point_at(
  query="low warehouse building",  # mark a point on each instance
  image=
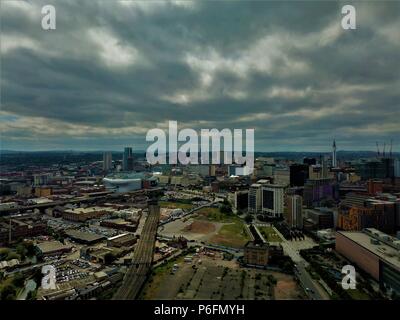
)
(49, 248)
(84, 237)
(122, 240)
(374, 252)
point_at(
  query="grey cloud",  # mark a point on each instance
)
(62, 79)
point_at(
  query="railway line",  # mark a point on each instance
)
(137, 274)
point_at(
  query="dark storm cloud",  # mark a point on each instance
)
(112, 70)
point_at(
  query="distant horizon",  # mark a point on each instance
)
(143, 151)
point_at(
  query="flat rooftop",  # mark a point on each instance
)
(88, 210)
(385, 252)
(84, 236)
(122, 237)
(52, 246)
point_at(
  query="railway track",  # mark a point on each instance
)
(137, 273)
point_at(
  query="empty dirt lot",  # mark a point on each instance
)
(210, 226)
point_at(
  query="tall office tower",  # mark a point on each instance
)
(295, 211)
(107, 161)
(254, 204)
(41, 179)
(127, 159)
(397, 168)
(324, 167)
(241, 200)
(273, 200)
(334, 161)
(298, 174)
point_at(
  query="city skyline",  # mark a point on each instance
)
(111, 71)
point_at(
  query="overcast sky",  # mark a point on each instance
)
(114, 69)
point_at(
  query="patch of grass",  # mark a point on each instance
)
(358, 295)
(215, 215)
(16, 282)
(270, 234)
(175, 205)
(231, 235)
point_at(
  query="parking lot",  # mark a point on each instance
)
(72, 270)
(211, 277)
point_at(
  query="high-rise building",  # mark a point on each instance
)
(273, 200)
(254, 204)
(127, 159)
(375, 169)
(107, 161)
(282, 176)
(298, 175)
(334, 160)
(41, 179)
(241, 199)
(357, 212)
(295, 211)
(324, 167)
(319, 218)
(310, 161)
(388, 164)
(397, 168)
(316, 190)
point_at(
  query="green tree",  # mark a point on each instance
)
(13, 255)
(8, 292)
(21, 250)
(4, 252)
(248, 218)
(30, 248)
(31, 295)
(226, 209)
(18, 280)
(272, 279)
(109, 258)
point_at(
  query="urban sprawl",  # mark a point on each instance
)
(115, 227)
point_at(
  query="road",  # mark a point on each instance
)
(313, 290)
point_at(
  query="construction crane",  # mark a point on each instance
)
(377, 148)
(384, 147)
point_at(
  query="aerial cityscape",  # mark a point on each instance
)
(310, 210)
(117, 228)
